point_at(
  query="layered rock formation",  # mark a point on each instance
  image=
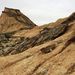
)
(44, 50)
(13, 20)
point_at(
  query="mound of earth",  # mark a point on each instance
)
(44, 50)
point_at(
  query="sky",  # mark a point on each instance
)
(41, 11)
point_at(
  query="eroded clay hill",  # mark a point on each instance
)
(45, 50)
(13, 20)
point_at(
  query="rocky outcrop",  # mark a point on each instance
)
(45, 35)
(13, 20)
(50, 51)
(59, 58)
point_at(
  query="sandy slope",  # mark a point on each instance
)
(13, 20)
(35, 60)
(61, 61)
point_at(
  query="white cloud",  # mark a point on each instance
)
(41, 11)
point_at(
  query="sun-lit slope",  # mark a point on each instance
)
(53, 24)
(46, 51)
(12, 43)
(60, 61)
(36, 30)
(13, 20)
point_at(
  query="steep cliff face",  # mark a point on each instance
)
(13, 19)
(44, 50)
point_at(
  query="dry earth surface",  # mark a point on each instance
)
(28, 49)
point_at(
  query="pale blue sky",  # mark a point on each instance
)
(41, 11)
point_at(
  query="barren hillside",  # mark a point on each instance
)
(38, 50)
(13, 20)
